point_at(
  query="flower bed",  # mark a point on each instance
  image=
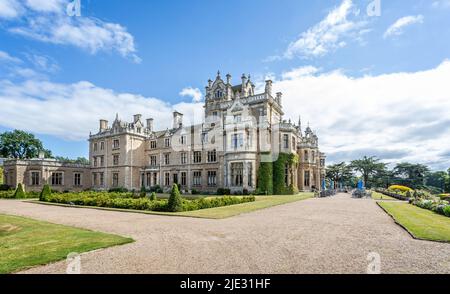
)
(438, 206)
(126, 201)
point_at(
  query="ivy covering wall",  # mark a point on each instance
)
(271, 178)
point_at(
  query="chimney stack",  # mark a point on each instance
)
(244, 84)
(103, 125)
(269, 87)
(137, 117)
(177, 120)
(150, 124)
(278, 99)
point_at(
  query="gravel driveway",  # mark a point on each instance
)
(333, 235)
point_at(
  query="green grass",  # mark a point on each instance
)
(421, 223)
(211, 213)
(26, 243)
(260, 203)
(379, 196)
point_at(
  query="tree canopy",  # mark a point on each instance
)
(21, 145)
(368, 167)
(411, 174)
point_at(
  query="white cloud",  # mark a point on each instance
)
(402, 114)
(10, 9)
(70, 111)
(195, 93)
(43, 63)
(5, 57)
(398, 27)
(441, 4)
(47, 21)
(299, 72)
(330, 34)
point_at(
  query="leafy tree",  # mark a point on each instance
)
(20, 145)
(368, 167)
(411, 174)
(339, 173)
(437, 179)
(383, 178)
(20, 193)
(175, 201)
(79, 160)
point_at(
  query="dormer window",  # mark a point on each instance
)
(219, 94)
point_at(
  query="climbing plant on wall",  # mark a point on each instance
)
(271, 175)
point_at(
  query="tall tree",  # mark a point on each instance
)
(339, 173)
(20, 145)
(368, 167)
(383, 178)
(437, 179)
(411, 174)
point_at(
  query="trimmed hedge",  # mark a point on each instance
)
(12, 194)
(117, 200)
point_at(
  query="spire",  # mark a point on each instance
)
(117, 116)
(218, 74)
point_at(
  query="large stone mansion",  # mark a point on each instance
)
(239, 131)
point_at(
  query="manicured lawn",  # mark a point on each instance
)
(212, 213)
(260, 203)
(379, 196)
(25, 242)
(421, 223)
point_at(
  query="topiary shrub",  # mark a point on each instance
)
(46, 192)
(20, 193)
(175, 203)
(153, 196)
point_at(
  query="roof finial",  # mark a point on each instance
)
(117, 116)
(218, 73)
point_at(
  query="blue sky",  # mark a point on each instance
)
(138, 56)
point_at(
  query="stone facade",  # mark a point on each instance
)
(33, 174)
(225, 151)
